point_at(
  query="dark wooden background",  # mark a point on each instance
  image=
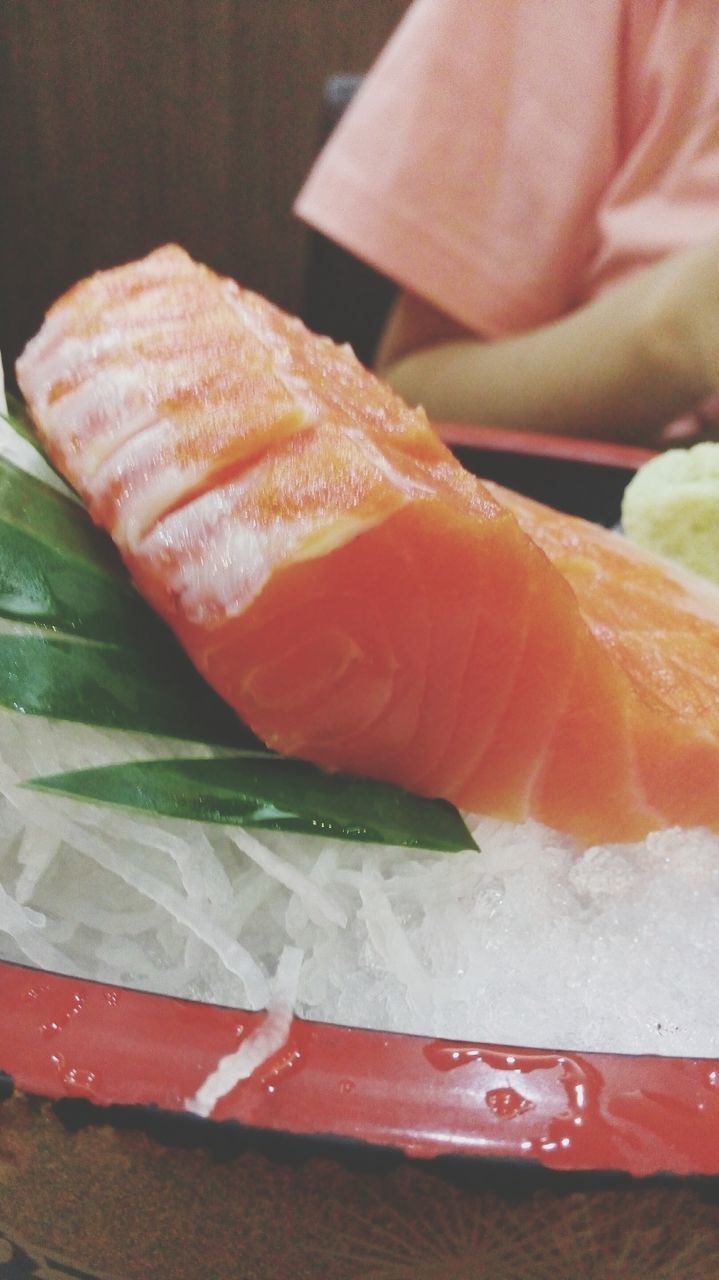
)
(128, 123)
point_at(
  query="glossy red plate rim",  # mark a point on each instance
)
(604, 453)
(642, 1115)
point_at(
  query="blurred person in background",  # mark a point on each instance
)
(541, 180)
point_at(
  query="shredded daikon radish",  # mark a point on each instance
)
(315, 901)
(260, 1044)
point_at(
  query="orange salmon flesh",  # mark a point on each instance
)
(357, 597)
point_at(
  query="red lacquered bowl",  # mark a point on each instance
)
(566, 1111)
(64, 1038)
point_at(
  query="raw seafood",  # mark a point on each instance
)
(355, 595)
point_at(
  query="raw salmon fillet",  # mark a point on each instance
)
(359, 598)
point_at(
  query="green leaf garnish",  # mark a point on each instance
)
(270, 792)
(57, 570)
(115, 688)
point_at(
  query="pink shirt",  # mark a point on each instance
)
(507, 159)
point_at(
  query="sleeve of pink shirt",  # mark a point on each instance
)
(507, 161)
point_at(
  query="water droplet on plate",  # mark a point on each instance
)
(78, 1081)
(507, 1103)
(446, 1057)
(281, 1067)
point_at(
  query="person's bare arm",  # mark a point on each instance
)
(621, 367)
(413, 324)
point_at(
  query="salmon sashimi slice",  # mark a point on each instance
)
(659, 623)
(143, 411)
(360, 599)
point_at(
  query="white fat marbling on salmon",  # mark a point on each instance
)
(411, 486)
(216, 562)
(104, 400)
(219, 555)
(37, 358)
(254, 320)
(88, 424)
(136, 509)
(160, 467)
(67, 354)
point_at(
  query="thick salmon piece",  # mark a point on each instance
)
(359, 598)
(661, 627)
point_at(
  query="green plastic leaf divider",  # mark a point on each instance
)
(269, 792)
(56, 569)
(115, 688)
